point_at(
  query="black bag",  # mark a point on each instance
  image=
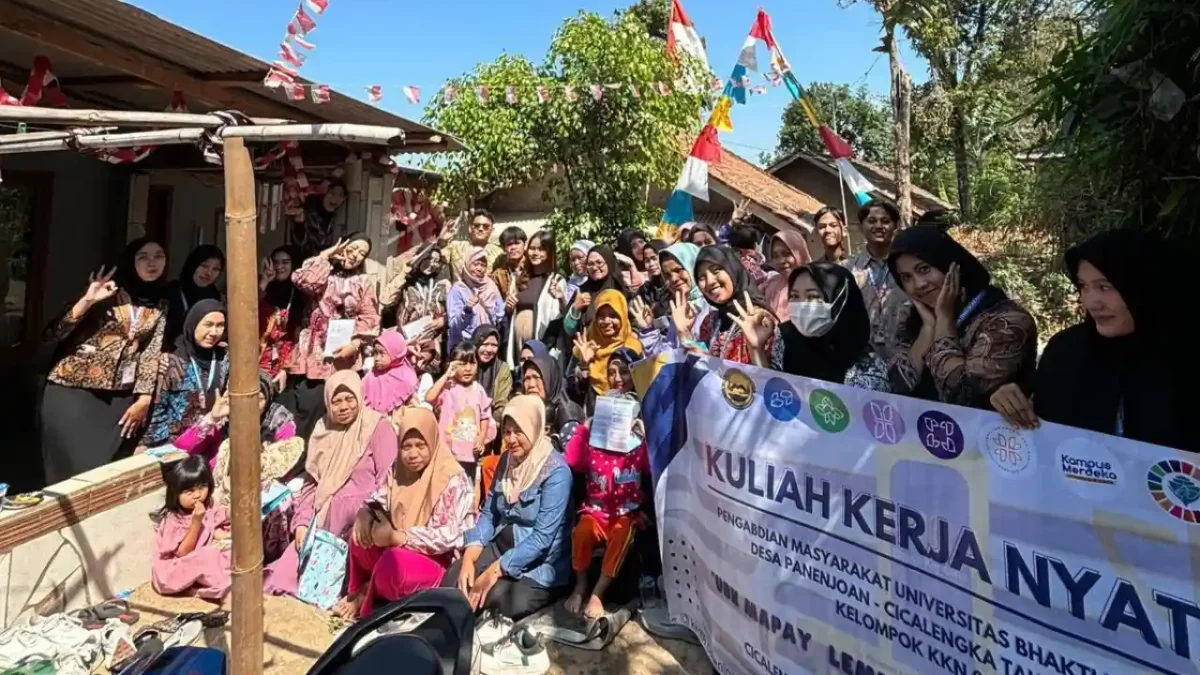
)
(440, 645)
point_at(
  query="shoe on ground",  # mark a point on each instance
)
(492, 628)
(521, 653)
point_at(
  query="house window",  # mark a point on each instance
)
(24, 207)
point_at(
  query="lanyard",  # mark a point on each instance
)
(969, 309)
(186, 304)
(212, 371)
(135, 313)
(878, 281)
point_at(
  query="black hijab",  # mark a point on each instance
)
(190, 352)
(625, 246)
(141, 293)
(655, 291)
(416, 275)
(829, 356)
(559, 408)
(612, 280)
(183, 294)
(350, 239)
(1147, 377)
(702, 228)
(728, 260)
(485, 373)
(283, 294)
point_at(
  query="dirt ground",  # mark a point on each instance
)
(297, 634)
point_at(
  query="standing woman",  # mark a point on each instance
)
(99, 390)
(541, 296)
(831, 226)
(655, 292)
(491, 372)
(340, 289)
(603, 274)
(789, 251)
(197, 281)
(960, 338)
(632, 244)
(192, 377)
(736, 330)
(578, 266)
(281, 313)
(702, 236)
(424, 292)
(473, 301)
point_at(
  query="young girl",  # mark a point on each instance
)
(393, 380)
(611, 514)
(191, 547)
(464, 408)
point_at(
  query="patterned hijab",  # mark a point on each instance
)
(529, 413)
(482, 285)
(335, 449)
(412, 495)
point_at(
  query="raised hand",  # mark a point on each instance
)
(335, 249)
(510, 302)
(266, 273)
(682, 315)
(101, 287)
(741, 212)
(948, 298)
(585, 349)
(220, 409)
(643, 316)
(472, 300)
(1015, 407)
(756, 323)
(556, 288)
(582, 300)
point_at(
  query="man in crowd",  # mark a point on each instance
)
(504, 273)
(882, 294)
(479, 234)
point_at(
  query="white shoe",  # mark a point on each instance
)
(491, 628)
(521, 653)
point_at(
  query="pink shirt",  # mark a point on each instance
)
(461, 411)
(614, 480)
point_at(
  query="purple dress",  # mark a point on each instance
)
(205, 571)
(371, 472)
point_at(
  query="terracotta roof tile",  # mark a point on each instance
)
(762, 188)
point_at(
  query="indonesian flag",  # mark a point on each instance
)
(412, 93)
(298, 41)
(451, 94)
(321, 93)
(318, 6)
(296, 92)
(375, 93)
(43, 82)
(842, 153)
(705, 151)
(302, 24)
(510, 94)
(570, 93)
(543, 93)
(276, 78)
(683, 36)
(7, 99)
(289, 54)
(761, 30)
(483, 93)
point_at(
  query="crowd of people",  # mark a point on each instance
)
(439, 422)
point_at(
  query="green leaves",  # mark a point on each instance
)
(862, 119)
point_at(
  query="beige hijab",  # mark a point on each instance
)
(411, 495)
(335, 449)
(529, 412)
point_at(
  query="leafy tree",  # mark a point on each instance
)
(654, 15)
(599, 157)
(859, 117)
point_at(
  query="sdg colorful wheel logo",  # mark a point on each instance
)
(828, 411)
(1175, 485)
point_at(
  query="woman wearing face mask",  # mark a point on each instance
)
(192, 376)
(99, 390)
(1117, 372)
(197, 281)
(608, 333)
(340, 289)
(604, 273)
(282, 309)
(541, 296)
(789, 252)
(740, 328)
(827, 332)
(962, 337)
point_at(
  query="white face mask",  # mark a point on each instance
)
(813, 318)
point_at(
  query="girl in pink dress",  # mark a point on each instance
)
(191, 549)
(464, 409)
(392, 380)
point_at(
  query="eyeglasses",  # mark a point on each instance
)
(596, 265)
(480, 226)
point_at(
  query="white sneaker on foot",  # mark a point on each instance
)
(491, 628)
(521, 653)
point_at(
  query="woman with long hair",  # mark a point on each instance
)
(282, 310)
(540, 298)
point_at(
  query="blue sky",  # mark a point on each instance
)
(394, 43)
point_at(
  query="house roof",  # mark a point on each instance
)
(111, 55)
(776, 199)
(923, 200)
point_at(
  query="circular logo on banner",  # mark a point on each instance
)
(1010, 449)
(828, 411)
(738, 389)
(1175, 485)
(883, 422)
(1089, 469)
(781, 399)
(940, 434)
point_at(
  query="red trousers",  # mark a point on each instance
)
(617, 534)
(390, 574)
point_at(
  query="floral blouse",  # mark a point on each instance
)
(997, 346)
(453, 514)
(730, 345)
(277, 345)
(116, 349)
(336, 297)
(423, 300)
(181, 401)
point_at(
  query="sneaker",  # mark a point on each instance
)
(521, 653)
(491, 628)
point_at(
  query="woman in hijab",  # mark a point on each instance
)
(827, 330)
(281, 448)
(281, 312)
(609, 332)
(540, 298)
(421, 291)
(392, 380)
(961, 337)
(517, 557)
(405, 538)
(604, 273)
(702, 236)
(789, 251)
(197, 281)
(578, 266)
(1119, 372)
(686, 306)
(491, 372)
(340, 290)
(655, 292)
(192, 377)
(533, 348)
(349, 456)
(632, 244)
(99, 390)
(473, 301)
(740, 327)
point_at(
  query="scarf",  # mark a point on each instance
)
(728, 260)
(625, 242)
(610, 280)
(274, 416)
(482, 286)
(197, 358)
(386, 391)
(685, 254)
(655, 291)
(829, 356)
(485, 373)
(598, 368)
(335, 449)
(412, 495)
(583, 246)
(529, 413)
(141, 293)
(777, 287)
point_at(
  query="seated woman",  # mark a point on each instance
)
(408, 534)
(492, 372)
(828, 332)
(961, 338)
(734, 331)
(392, 381)
(281, 448)
(190, 378)
(517, 559)
(1118, 372)
(349, 456)
(608, 333)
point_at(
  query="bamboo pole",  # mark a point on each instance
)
(346, 133)
(128, 118)
(246, 445)
(8, 139)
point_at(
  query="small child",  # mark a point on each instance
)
(464, 408)
(191, 547)
(611, 513)
(392, 380)
(428, 362)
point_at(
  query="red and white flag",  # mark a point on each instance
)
(42, 82)
(296, 92)
(483, 93)
(318, 6)
(705, 151)
(717, 84)
(276, 78)
(375, 93)
(451, 94)
(321, 93)
(570, 93)
(682, 37)
(662, 88)
(597, 91)
(302, 24)
(543, 93)
(287, 70)
(7, 99)
(412, 94)
(299, 42)
(290, 56)
(510, 94)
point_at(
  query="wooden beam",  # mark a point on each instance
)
(99, 80)
(233, 77)
(346, 133)
(81, 117)
(104, 52)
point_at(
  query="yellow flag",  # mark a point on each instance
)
(720, 115)
(667, 232)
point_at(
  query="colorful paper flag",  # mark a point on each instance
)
(510, 95)
(451, 94)
(483, 93)
(412, 94)
(296, 92)
(318, 6)
(543, 93)
(597, 91)
(302, 24)
(720, 115)
(375, 93)
(321, 93)
(276, 78)
(290, 55)
(633, 89)
(682, 37)
(299, 41)
(287, 70)
(679, 209)
(570, 93)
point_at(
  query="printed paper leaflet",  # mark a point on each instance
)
(815, 528)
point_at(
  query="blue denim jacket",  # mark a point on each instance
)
(541, 525)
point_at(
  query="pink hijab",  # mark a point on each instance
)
(386, 391)
(483, 287)
(776, 289)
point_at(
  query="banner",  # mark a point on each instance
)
(812, 528)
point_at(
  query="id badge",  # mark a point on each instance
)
(129, 373)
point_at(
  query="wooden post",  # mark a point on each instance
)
(901, 121)
(246, 450)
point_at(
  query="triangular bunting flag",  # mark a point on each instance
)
(707, 146)
(597, 91)
(412, 94)
(510, 95)
(720, 115)
(321, 93)
(375, 93)
(543, 93)
(570, 94)
(296, 92)
(318, 6)
(302, 23)
(483, 93)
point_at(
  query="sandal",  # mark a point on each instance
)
(97, 615)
